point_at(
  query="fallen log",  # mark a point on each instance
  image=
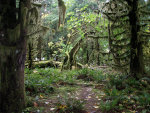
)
(44, 64)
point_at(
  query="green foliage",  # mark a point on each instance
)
(29, 102)
(116, 81)
(69, 105)
(123, 93)
(92, 75)
(35, 83)
(113, 97)
(110, 105)
(41, 80)
(58, 48)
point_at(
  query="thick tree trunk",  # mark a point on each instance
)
(12, 78)
(12, 57)
(136, 63)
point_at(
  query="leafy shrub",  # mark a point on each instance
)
(91, 75)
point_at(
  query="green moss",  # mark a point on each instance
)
(62, 11)
(61, 3)
(34, 14)
(14, 34)
(24, 11)
(39, 5)
(6, 51)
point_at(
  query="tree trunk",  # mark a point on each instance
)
(97, 47)
(12, 62)
(136, 59)
(39, 48)
(87, 53)
(30, 55)
(70, 59)
(12, 56)
(87, 56)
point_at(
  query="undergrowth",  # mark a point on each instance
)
(41, 80)
(69, 104)
(124, 93)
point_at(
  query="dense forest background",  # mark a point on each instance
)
(55, 43)
(88, 26)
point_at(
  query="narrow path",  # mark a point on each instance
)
(92, 100)
(85, 92)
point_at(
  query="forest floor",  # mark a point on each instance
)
(87, 92)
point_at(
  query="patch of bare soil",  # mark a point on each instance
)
(92, 100)
(85, 77)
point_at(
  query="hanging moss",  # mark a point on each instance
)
(24, 11)
(39, 5)
(62, 11)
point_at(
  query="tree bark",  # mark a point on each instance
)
(87, 53)
(136, 59)
(30, 55)
(97, 46)
(39, 48)
(12, 62)
(12, 56)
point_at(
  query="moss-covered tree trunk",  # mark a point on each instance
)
(87, 52)
(12, 78)
(70, 59)
(12, 56)
(92, 53)
(30, 55)
(39, 48)
(97, 47)
(136, 59)
(72, 55)
(62, 11)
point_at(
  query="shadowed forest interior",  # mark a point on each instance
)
(74, 56)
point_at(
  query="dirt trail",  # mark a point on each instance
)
(85, 92)
(92, 100)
